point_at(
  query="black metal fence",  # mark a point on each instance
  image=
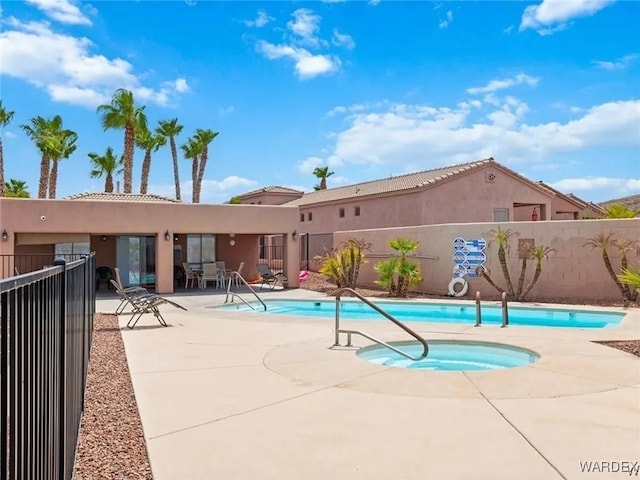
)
(46, 323)
(11, 265)
(313, 245)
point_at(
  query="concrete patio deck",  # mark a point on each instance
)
(229, 395)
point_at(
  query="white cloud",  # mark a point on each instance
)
(444, 23)
(309, 164)
(64, 11)
(501, 84)
(212, 190)
(623, 186)
(373, 3)
(343, 40)
(305, 25)
(621, 64)
(551, 16)
(260, 21)
(508, 30)
(65, 67)
(181, 85)
(9, 134)
(430, 136)
(228, 110)
(307, 65)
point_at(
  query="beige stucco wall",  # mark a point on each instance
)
(572, 271)
(46, 217)
(465, 198)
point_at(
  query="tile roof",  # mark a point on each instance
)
(270, 189)
(401, 183)
(569, 198)
(121, 197)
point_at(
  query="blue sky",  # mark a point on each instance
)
(549, 88)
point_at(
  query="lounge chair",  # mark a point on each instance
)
(130, 291)
(142, 304)
(270, 278)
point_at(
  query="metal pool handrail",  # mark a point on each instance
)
(425, 346)
(233, 295)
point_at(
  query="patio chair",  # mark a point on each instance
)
(210, 273)
(270, 278)
(134, 291)
(103, 274)
(142, 304)
(190, 275)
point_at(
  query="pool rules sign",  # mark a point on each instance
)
(468, 255)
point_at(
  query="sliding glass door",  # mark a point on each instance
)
(136, 259)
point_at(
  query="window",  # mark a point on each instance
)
(341, 212)
(500, 214)
(309, 216)
(356, 211)
(82, 248)
(302, 217)
(201, 248)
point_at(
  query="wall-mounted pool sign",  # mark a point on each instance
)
(468, 255)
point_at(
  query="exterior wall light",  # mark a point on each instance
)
(167, 236)
(5, 235)
(294, 235)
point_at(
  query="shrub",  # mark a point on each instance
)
(343, 265)
(397, 274)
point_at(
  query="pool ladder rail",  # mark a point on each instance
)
(233, 276)
(505, 311)
(338, 331)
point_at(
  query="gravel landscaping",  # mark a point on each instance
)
(111, 443)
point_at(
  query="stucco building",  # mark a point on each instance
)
(146, 236)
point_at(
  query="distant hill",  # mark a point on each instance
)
(632, 201)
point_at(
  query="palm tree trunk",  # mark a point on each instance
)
(483, 272)
(53, 179)
(533, 281)
(146, 167)
(202, 166)
(44, 177)
(607, 264)
(523, 269)
(129, 138)
(176, 173)
(323, 183)
(194, 181)
(108, 183)
(502, 256)
(1, 170)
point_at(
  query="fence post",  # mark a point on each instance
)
(60, 262)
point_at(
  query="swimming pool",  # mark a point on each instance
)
(451, 355)
(440, 313)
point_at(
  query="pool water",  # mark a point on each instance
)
(441, 313)
(451, 355)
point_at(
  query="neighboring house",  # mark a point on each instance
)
(570, 207)
(146, 236)
(482, 191)
(272, 195)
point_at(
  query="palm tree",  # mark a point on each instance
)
(620, 210)
(603, 241)
(204, 137)
(501, 237)
(16, 189)
(62, 144)
(123, 114)
(192, 151)
(539, 253)
(322, 173)
(5, 117)
(149, 142)
(107, 165)
(171, 129)
(53, 142)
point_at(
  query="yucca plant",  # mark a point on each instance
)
(343, 265)
(630, 278)
(397, 274)
(527, 253)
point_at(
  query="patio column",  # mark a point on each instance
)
(292, 258)
(164, 263)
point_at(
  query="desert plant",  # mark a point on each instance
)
(605, 241)
(620, 210)
(343, 265)
(527, 253)
(397, 274)
(630, 278)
